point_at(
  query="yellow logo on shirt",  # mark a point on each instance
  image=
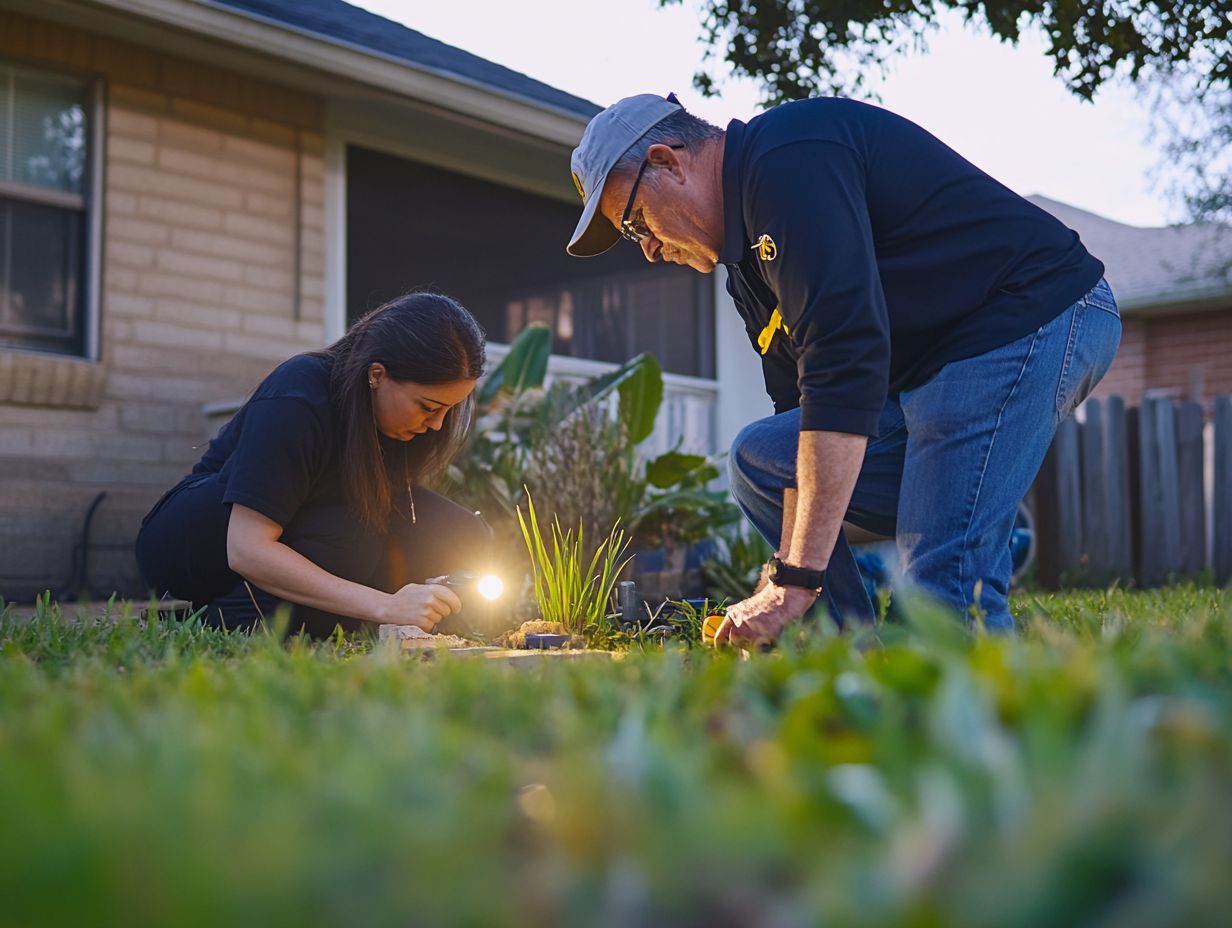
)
(767, 334)
(765, 248)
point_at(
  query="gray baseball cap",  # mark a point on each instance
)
(609, 135)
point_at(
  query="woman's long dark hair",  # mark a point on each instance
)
(421, 337)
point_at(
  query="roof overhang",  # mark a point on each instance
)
(1176, 301)
(306, 61)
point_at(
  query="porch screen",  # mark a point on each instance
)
(501, 252)
(44, 182)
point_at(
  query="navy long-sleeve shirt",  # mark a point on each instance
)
(885, 254)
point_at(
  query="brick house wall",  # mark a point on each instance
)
(213, 262)
(1172, 353)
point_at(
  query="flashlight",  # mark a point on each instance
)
(488, 586)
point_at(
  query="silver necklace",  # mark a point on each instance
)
(406, 474)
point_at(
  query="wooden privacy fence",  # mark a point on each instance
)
(1141, 496)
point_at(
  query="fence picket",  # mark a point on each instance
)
(1191, 508)
(1120, 556)
(1222, 509)
(1096, 543)
(1123, 495)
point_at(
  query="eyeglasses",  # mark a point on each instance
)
(635, 230)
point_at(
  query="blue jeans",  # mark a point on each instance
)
(951, 462)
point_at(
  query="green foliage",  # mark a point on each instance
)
(735, 570)
(160, 773)
(524, 367)
(569, 589)
(561, 444)
(1180, 51)
(795, 48)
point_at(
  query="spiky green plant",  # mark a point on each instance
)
(568, 588)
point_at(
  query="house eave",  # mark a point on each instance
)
(303, 55)
(1177, 300)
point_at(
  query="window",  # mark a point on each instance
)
(45, 228)
(501, 252)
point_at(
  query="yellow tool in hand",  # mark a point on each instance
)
(710, 625)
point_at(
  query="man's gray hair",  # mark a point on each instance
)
(680, 128)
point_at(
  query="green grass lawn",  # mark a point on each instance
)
(1079, 774)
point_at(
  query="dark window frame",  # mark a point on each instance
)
(81, 338)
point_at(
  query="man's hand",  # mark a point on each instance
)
(761, 617)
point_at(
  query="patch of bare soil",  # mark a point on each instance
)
(412, 636)
(516, 637)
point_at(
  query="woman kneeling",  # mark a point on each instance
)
(313, 493)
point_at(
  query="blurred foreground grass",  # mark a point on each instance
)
(1079, 774)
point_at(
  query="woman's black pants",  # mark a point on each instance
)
(182, 550)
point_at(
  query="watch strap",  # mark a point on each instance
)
(784, 574)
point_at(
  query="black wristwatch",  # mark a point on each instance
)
(784, 574)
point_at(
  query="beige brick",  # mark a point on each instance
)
(124, 386)
(152, 283)
(269, 279)
(254, 227)
(124, 473)
(64, 444)
(262, 204)
(120, 303)
(137, 230)
(200, 266)
(176, 212)
(130, 255)
(188, 162)
(118, 279)
(313, 217)
(135, 358)
(272, 133)
(141, 99)
(312, 311)
(168, 335)
(310, 332)
(272, 349)
(211, 117)
(16, 441)
(312, 170)
(312, 193)
(276, 326)
(313, 240)
(260, 154)
(136, 151)
(275, 183)
(119, 203)
(312, 263)
(130, 448)
(117, 329)
(258, 301)
(312, 143)
(129, 123)
(195, 314)
(313, 287)
(192, 138)
(149, 180)
(229, 246)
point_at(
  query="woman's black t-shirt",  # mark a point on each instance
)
(281, 450)
(280, 455)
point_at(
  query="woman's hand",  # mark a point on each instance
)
(422, 604)
(255, 552)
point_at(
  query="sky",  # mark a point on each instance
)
(997, 105)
